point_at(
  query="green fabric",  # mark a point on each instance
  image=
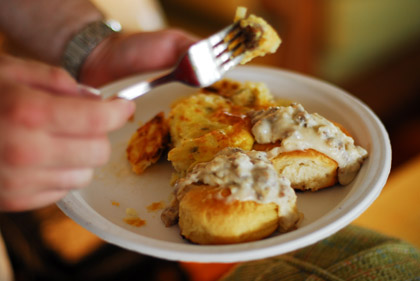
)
(353, 253)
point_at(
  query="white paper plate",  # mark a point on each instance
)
(325, 211)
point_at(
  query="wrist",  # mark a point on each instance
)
(84, 42)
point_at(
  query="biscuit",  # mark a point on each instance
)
(310, 150)
(206, 218)
(307, 169)
(236, 197)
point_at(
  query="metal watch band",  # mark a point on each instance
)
(84, 42)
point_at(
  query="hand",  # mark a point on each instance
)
(51, 136)
(125, 54)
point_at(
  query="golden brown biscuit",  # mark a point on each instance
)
(307, 148)
(236, 197)
(307, 169)
(206, 218)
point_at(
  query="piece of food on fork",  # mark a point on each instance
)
(261, 38)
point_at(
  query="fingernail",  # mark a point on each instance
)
(81, 178)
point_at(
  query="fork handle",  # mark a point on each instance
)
(132, 91)
(135, 90)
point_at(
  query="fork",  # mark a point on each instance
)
(204, 63)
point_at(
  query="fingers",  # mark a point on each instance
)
(57, 114)
(27, 148)
(31, 201)
(51, 135)
(20, 181)
(46, 77)
(28, 189)
(46, 108)
(87, 117)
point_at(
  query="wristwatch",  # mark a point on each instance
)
(80, 46)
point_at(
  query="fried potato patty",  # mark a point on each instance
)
(148, 143)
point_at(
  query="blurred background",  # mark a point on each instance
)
(371, 48)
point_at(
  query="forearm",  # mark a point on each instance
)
(43, 27)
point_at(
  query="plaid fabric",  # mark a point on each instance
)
(353, 253)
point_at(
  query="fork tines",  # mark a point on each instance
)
(228, 46)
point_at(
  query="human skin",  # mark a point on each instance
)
(52, 135)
